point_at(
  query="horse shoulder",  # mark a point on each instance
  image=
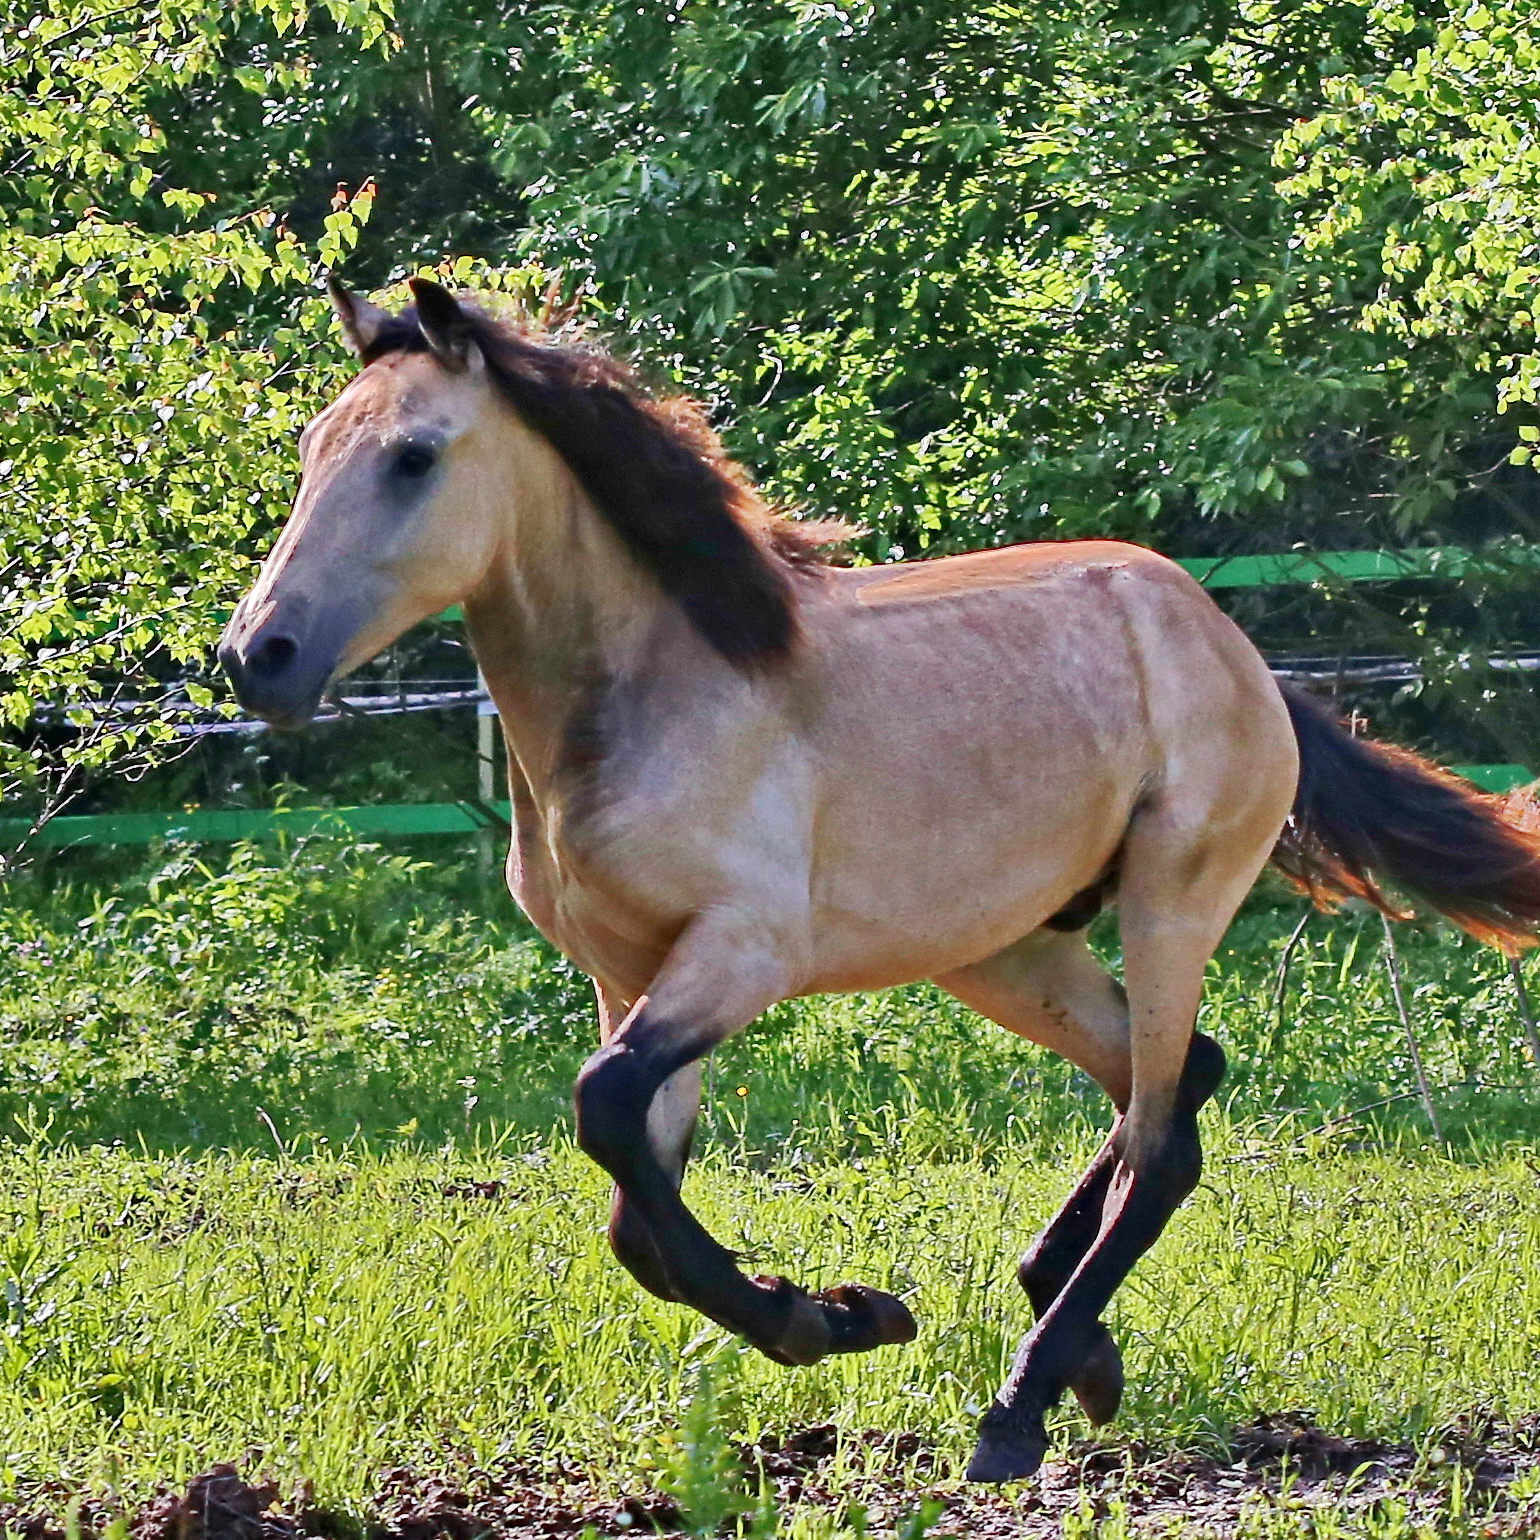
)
(676, 790)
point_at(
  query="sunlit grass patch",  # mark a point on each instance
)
(289, 1181)
(350, 1312)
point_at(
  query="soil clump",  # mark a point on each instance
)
(876, 1481)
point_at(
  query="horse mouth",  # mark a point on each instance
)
(292, 720)
(282, 653)
(286, 715)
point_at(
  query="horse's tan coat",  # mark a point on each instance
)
(956, 747)
(948, 753)
(735, 780)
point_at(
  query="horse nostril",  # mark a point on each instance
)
(272, 656)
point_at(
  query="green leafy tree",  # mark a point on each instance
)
(161, 350)
(1227, 275)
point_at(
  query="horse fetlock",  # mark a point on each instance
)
(1011, 1445)
(804, 1335)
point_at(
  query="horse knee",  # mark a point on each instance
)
(613, 1092)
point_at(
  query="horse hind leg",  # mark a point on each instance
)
(1050, 989)
(1045, 1269)
(1052, 1258)
(1183, 880)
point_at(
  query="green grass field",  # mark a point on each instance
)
(288, 1180)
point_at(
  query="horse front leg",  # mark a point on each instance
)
(670, 1131)
(716, 979)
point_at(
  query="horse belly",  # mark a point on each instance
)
(948, 882)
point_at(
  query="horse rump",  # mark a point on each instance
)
(1367, 812)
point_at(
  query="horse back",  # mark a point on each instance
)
(988, 725)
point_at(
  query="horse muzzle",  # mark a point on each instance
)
(280, 658)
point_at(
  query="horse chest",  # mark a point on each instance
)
(597, 896)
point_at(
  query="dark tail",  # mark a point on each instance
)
(1368, 812)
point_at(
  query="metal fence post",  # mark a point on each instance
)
(486, 765)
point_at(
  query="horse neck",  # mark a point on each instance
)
(562, 608)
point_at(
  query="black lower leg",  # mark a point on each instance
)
(632, 1242)
(1056, 1253)
(667, 1248)
(1046, 1268)
(634, 1247)
(1203, 1073)
(1070, 1334)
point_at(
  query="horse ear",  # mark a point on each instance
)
(361, 322)
(446, 328)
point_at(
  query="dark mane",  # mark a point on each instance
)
(658, 473)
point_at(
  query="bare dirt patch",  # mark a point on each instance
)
(1282, 1463)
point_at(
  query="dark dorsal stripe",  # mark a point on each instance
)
(657, 473)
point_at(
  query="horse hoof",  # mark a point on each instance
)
(863, 1318)
(1098, 1385)
(1007, 1454)
(849, 1319)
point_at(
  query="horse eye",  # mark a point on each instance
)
(414, 460)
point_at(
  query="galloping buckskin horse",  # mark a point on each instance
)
(739, 774)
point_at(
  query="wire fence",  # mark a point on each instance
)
(192, 720)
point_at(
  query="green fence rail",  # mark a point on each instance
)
(198, 824)
(1297, 567)
(1288, 568)
(392, 820)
